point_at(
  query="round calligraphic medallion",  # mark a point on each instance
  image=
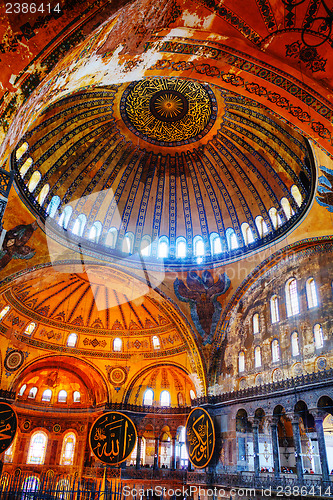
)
(112, 438)
(8, 426)
(14, 360)
(117, 376)
(200, 437)
(168, 111)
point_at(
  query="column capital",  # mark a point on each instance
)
(295, 418)
(272, 419)
(318, 413)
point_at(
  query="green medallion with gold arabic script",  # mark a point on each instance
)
(112, 438)
(200, 437)
(8, 426)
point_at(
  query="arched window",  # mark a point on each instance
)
(9, 453)
(30, 328)
(257, 357)
(318, 336)
(32, 393)
(95, 231)
(21, 150)
(165, 399)
(145, 247)
(287, 207)
(180, 247)
(163, 247)
(261, 226)
(247, 233)
(25, 167)
(292, 297)
(111, 237)
(156, 342)
(215, 244)
(4, 312)
(37, 448)
(65, 216)
(76, 397)
(255, 323)
(274, 304)
(72, 340)
(62, 396)
(198, 246)
(180, 399)
(68, 449)
(21, 391)
(79, 225)
(47, 395)
(53, 206)
(34, 180)
(231, 239)
(192, 394)
(29, 486)
(148, 397)
(275, 217)
(296, 194)
(294, 344)
(311, 293)
(128, 243)
(275, 350)
(117, 344)
(241, 362)
(43, 194)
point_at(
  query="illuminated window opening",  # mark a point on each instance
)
(53, 206)
(25, 167)
(255, 323)
(30, 328)
(79, 225)
(4, 312)
(148, 397)
(231, 239)
(43, 194)
(111, 237)
(274, 303)
(287, 208)
(76, 397)
(145, 247)
(47, 395)
(68, 449)
(62, 396)
(275, 217)
(37, 448)
(21, 150)
(163, 247)
(192, 394)
(318, 336)
(275, 351)
(292, 298)
(181, 249)
(261, 226)
(165, 399)
(21, 391)
(72, 340)
(65, 216)
(294, 344)
(34, 180)
(117, 344)
(311, 293)
(32, 393)
(95, 231)
(296, 194)
(128, 242)
(257, 357)
(156, 342)
(241, 362)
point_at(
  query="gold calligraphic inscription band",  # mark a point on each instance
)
(8, 426)
(112, 438)
(200, 437)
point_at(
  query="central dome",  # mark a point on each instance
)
(169, 112)
(165, 170)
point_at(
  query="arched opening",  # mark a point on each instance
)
(37, 448)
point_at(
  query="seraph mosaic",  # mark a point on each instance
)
(201, 292)
(325, 189)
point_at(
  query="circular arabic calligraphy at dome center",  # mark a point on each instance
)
(168, 111)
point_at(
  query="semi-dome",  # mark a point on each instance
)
(175, 170)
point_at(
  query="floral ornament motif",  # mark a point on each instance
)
(325, 189)
(307, 55)
(201, 293)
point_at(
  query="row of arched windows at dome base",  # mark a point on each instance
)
(260, 226)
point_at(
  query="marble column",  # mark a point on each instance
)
(318, 418)
(298, 447)
(255, 430)
(138, 452)
(157, 450)
(275, 446)
(173, 458)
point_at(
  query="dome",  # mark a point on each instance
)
(175, 170)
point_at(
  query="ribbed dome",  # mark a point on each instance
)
(175, 170)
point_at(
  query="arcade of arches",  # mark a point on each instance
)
(166, 204)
